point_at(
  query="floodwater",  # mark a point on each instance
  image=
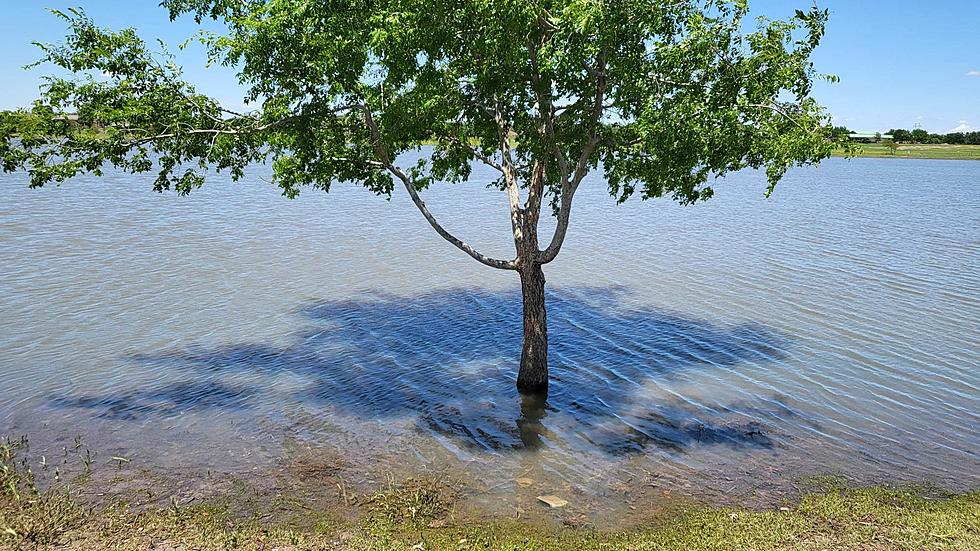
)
(725, 349)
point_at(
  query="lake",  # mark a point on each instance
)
(721, 352)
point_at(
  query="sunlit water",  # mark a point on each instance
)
(728, 348)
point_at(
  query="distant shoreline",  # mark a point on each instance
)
(918, 151)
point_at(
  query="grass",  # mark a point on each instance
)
(416, 501)
(29, 514)
(421, 515)
(921, 151)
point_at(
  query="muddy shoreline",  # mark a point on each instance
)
(86, 501)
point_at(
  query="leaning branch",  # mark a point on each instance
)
(386, 161)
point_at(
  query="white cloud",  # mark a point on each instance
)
(973, 73)
(963, 127)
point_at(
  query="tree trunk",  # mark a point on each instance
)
(533, 375)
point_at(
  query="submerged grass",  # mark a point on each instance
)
(420, 515)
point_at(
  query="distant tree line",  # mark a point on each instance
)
(900, 135)
(921, 136)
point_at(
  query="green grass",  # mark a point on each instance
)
(421, 515)
(921, 151)
(865, 519)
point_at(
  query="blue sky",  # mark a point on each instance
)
(902, 63)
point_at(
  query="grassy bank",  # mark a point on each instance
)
(921, 151)
(423, 514)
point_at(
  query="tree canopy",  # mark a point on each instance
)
(663, 96)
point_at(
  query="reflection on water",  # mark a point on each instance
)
(717, 350)
(534, 408)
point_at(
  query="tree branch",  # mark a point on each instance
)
(510, 177)
(476, 153)
(385, 160)
(780, 111)
(208, 131)
(570, 185)
(546, 114)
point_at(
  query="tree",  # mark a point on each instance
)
(920, 136)
(890, 145)
(901, 135)
(955, 138)
(660, 96)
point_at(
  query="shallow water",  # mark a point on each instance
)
(720, 350)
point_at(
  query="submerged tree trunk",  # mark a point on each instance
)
(533, 375)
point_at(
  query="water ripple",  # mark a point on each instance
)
(834, 328)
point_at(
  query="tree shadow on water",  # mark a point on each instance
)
(448, 360)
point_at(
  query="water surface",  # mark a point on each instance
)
(723, 349)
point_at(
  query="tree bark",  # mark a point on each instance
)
(533, 375)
